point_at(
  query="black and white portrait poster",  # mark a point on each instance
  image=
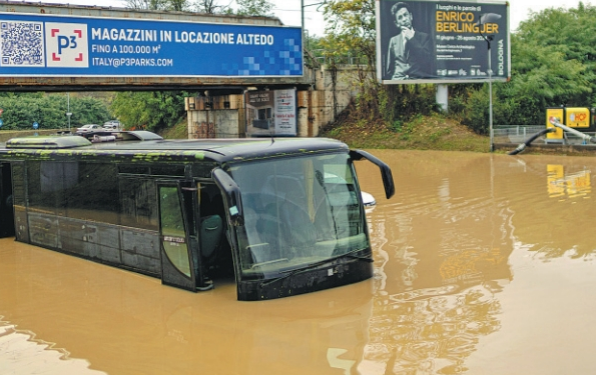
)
(435, 41)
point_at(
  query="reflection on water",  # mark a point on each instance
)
(444, 247)
(572, 185)
(22, 353)
(484, 264)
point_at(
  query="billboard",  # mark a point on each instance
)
(75, 46)
(271, 113)
(428, 41)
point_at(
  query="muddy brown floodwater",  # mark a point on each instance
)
(484, 264)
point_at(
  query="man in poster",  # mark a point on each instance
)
(410, 52)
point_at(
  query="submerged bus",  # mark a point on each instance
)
(282, 216)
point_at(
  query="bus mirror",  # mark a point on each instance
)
(227, 185)
(385, 170)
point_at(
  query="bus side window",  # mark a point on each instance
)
(138, 207)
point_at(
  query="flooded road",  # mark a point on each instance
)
(484, 264)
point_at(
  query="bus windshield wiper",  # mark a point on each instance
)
(311, 266)
(352, 256)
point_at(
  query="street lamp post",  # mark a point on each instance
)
(302, 6)
(484, 19)
(68, 113)
(490, 94)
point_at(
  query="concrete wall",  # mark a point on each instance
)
(330, 94)
(222, 123)
(215, 117)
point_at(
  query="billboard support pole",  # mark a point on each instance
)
(442, 97)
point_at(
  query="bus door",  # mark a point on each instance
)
(178, 234)
(6, 210)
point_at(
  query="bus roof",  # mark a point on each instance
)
(144, 146)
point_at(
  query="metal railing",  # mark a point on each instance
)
(572, 139)
(519, 133)
(515, 133)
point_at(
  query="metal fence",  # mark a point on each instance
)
(515, 133)
(519, 133)
(572, 139)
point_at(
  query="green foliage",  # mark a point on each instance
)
(151, 111)
(210, 7)
(350, 30)
(396, 125)
(178, 131)
(202, 6)
(254, 8)
(435, 132)
(10, 94)
(49, 111)
(402, 102)
(553, 64)
(475, 114)
(157, 4)
(314, 51)
(438, 135)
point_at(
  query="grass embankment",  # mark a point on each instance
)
(178, 131)
(433, 132)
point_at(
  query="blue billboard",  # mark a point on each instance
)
(39, 45)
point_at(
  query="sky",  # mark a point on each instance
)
(288, 11)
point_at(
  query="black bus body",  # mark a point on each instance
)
(283, 216)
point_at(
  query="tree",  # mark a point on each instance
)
(179, 5)
(254, 8)
(202, 6)
(49, 111)
(210, 7)
(553, 63)
(350, 29)
(146, 4)
(350, 37)
(151, 110)
(555, 35)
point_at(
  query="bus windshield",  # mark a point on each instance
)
(298, 211)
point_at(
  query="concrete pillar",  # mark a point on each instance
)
(443, 97)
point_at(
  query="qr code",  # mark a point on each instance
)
(22, 43)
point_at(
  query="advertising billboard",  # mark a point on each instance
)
(271, 113)
(75, 46)
(423, 41)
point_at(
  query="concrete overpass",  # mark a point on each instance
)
(222, 58)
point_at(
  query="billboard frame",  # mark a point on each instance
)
(484, 79)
